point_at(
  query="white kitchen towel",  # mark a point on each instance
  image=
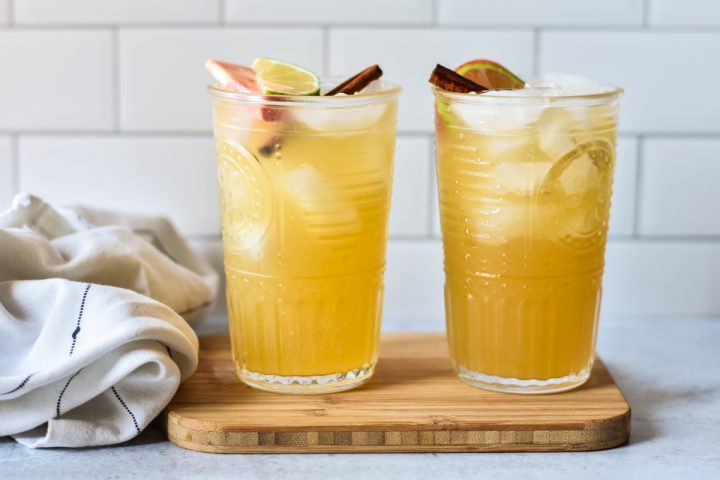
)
(93, 343)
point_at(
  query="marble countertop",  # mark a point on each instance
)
(668, 368)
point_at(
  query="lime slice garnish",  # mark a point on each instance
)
(490, 74)
(280, 78)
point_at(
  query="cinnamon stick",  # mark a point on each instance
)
(443, 77)
(357, 82)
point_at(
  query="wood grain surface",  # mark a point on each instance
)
(414, 403)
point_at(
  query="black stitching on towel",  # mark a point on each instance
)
(22, 384)
(117, 395)
(57, 405)
(79, 319)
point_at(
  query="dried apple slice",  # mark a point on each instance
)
(230, 76)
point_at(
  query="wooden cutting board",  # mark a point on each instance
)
(414, 403)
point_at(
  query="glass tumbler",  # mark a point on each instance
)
(524, 190)
(304, 186)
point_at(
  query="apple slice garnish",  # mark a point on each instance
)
(230, 76)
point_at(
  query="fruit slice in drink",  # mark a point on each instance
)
(490, 74)
(279, 78)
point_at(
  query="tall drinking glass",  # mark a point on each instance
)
(304, 187)
(524, 189)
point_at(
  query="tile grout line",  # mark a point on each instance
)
(675, 239)
(434, 20)
(116, 78)
(112, 132)
(10, 11)
(639, 170)
(411, 238)
(222, 12)
(499, 27)
(15, 163)
(401, 133)
(646, 13)
(672, 135)
(646, 239)
(326, 50)
(536, 52)
(667, 239)
(431, 178)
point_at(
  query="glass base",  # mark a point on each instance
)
(307, 385)
(521, 386)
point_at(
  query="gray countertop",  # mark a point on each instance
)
(668, 368)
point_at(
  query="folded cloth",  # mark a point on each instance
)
(93, 334)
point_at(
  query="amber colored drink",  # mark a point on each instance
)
(524, 189)
(305, 188)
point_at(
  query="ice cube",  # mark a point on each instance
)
(340, 119)
(534, 91)
(494, 119)
(567, 84)
(554, 132)
(495, 148)
(495, 223)
(376, 86)
(579, 177)
(520, 178)
(233, 121)
(327, 213)
(544, 87)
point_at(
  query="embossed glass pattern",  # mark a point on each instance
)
(524, 190)
(304, 187)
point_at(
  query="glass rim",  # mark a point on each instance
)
(488, 98)
(391, 91)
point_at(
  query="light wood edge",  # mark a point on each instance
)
(601, 435)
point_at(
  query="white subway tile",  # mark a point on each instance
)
(211, 249)
(679, 190)
(7, 172)
(622, 212)
(623, 202)
(662, 278)
(337, 12)
(56, 80)
(414, 283)
(408, 56)
(694, 13)
(411, 192)
(169, 175)
(656, 99)
(163, 79)
(4, 11)
(547, 12)
(80, 12)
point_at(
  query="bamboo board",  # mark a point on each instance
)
(414, 403)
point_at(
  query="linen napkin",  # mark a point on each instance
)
(93, 333)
